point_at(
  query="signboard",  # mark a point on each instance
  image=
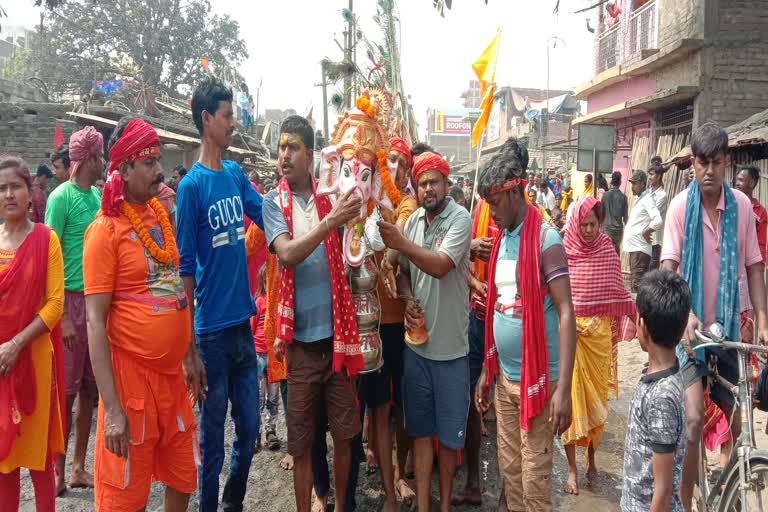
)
(598, 137)
(494, 123)
(449, 122)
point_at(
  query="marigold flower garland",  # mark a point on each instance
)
(386, 178)
(164, 256)
(364, 104)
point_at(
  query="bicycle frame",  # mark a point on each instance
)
(743, 400)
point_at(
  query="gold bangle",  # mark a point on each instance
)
(15, 343)
(327, 226)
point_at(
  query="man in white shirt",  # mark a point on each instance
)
(644, 219)
(545, 198)
(656, 189)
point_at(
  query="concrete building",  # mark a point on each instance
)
(449, 132)
(663, 67)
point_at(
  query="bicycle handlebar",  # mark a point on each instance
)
(707, 342)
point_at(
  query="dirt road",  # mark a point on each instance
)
(270, 489)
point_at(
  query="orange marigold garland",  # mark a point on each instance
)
(364, 104)
(386, 178)
(164, 256)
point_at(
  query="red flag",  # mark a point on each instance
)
(58, 137)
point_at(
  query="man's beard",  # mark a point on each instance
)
(438, 204)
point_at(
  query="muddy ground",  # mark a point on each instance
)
(270, 489)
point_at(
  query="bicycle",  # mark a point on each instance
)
(742, 486)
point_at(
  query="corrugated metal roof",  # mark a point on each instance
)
(164, 135)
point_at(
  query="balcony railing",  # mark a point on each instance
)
(608, 51)
(642, 28)
(627, 37)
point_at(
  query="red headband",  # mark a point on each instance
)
(507, 185)
(400, 146)
(427, 162)
(138, 140)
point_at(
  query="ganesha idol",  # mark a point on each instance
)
(356, 161)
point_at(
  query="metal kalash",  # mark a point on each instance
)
(362, 284)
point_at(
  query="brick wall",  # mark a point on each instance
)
(678, 19)
(26, 129)
(739, 60)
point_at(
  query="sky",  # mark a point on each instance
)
(287, 39)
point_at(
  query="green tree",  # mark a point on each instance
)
(161, 41)
(18, 65)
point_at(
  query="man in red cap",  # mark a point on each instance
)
(434, 274)
(146, 427)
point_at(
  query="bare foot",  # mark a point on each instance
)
(80, 479)
(319, 504)
(572, 485)
(470, 496)
(370, 462)
(287, 463)
(406, 493)
(61, 487)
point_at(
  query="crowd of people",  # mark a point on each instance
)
(209, 292)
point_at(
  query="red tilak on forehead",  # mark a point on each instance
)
(507, 185)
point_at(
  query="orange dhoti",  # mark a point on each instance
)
(163, 437)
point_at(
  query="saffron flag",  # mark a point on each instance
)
(485, 65)
(58, 137)
(485, 69)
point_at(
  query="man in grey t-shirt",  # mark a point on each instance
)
(434, 273)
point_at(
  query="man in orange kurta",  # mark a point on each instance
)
(139, 327)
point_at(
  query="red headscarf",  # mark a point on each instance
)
(427, 162)
(138, 140)
(597, 286)
(82, 144)
(400, 146)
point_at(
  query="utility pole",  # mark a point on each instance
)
(348, 56)
(325, 101)
(545, 118)
(258, 93)
(545, 123)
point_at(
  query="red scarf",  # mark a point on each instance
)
(346, 340)
(597, 286)
(24, 281)
(534, 373)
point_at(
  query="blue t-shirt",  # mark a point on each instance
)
(508, 325)
(210, 235)
(313, 312)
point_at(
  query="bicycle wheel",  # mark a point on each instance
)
(757, 491)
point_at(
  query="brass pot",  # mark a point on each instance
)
(367, 310)
(370, 346)
(363, 278)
